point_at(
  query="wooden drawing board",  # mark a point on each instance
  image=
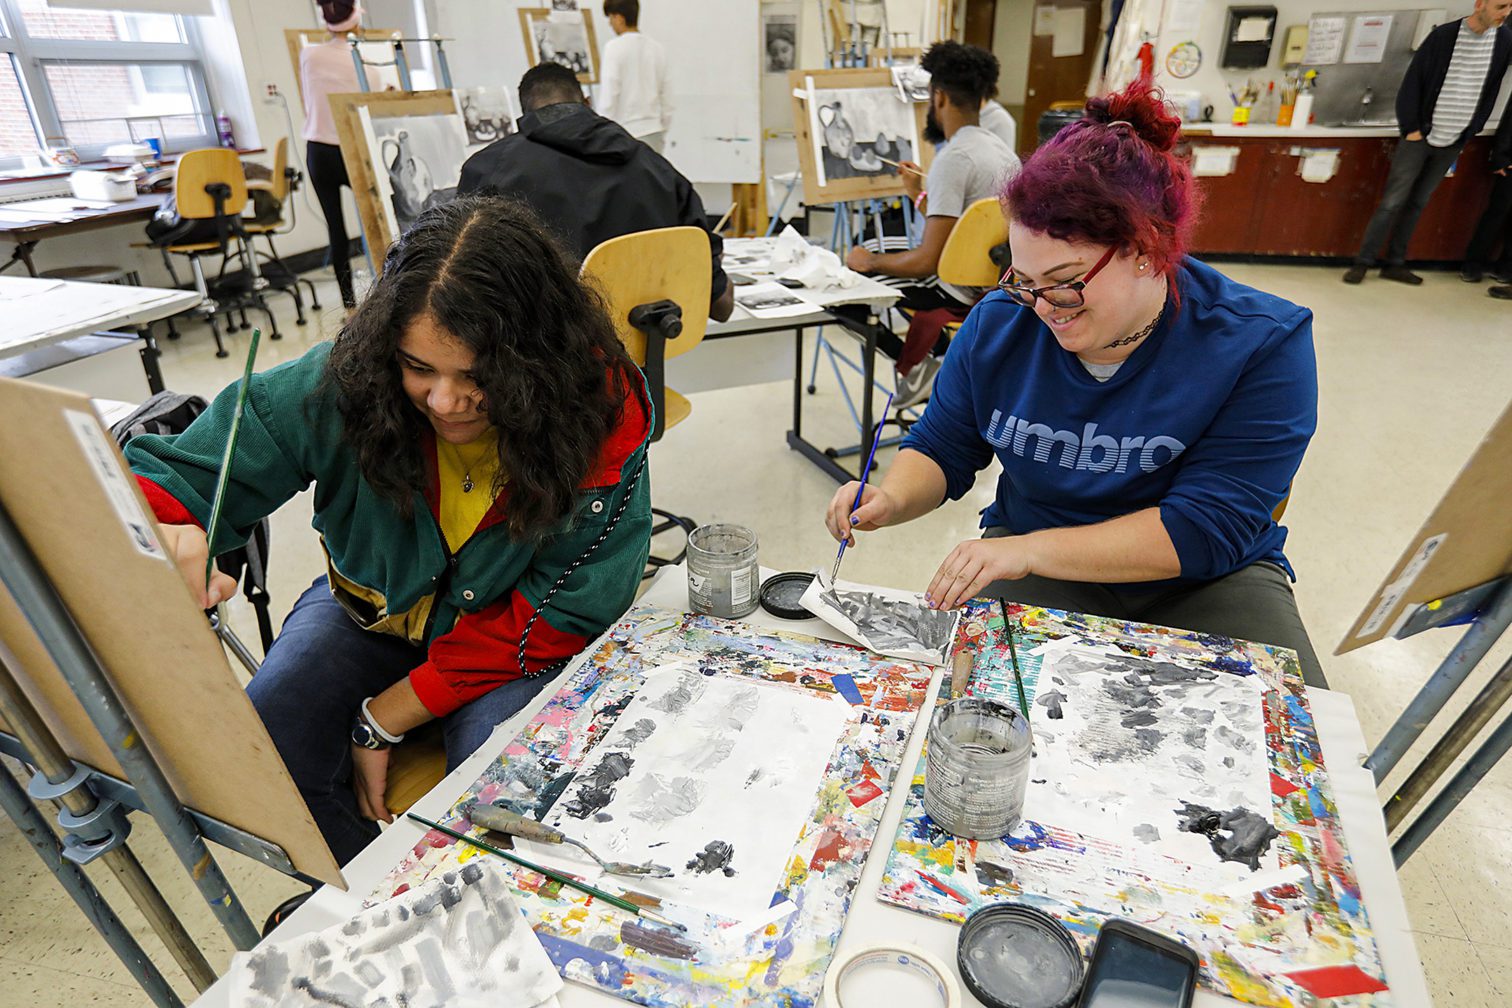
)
(362, 172)
(528, 18)
(298, 38)
(866, 187)
(1465, 542)
(66, 488)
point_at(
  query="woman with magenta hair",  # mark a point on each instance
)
(1149, 413)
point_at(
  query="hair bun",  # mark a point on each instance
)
(336, 11)
(1141, 106)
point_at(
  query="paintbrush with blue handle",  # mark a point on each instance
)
(865, 475)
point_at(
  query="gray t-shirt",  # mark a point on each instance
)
(972, 166)
(996, 120)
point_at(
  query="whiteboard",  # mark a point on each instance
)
(714, 68)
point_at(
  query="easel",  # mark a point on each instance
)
(400, 61)
(853, 201)
(1458, 570)
(98, 699)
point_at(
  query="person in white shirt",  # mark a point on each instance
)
(999, 122)
(633, 90)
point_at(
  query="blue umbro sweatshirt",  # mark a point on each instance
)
(1207, 420)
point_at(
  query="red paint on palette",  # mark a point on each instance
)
(827, 851)
(1281, 787)
(862, 792)
(1336, 981)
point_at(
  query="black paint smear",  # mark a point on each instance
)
(716, 856)
(1139, 719)
(1052, 701)
(989, 874)
(1195, 736)
(1248, 835)
(602, 817)
(598, 788)
(1149, 738)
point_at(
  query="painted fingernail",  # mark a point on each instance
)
(855, 520)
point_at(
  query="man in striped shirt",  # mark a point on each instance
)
(1445, 99)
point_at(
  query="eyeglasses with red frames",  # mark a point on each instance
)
(1061, 295)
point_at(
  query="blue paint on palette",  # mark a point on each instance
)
(846, 686)
(608, 970)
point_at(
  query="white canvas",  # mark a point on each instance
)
(1124, 744)
(694, 760)
(853, 129)
(887, 620)
(417, 162)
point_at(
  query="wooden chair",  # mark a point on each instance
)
(280, 187)
(209, 185)
(657, 284)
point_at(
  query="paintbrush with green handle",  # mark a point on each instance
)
(555, 876)
(502, 820)
(224, 478)
(1013, 656)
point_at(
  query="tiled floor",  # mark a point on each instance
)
(1411, 379)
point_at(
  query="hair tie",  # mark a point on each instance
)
(1121, 122)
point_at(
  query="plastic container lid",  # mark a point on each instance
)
(1015, 956)
(780, 594)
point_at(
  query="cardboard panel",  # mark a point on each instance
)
(66, 488)
(1466, 542)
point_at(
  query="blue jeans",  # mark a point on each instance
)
(309, 688)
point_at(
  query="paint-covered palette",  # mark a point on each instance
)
(651, 743)
(1178, 782)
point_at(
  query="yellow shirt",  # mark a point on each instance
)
(459, 465)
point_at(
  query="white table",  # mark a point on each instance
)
(47, 323)
(867, 292)
(871, 921)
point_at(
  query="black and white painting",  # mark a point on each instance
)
(487, 113)
(857, 131)
(895, 623)
(562, 38)
(1171, 759)
(780, 35)
(911, 80)
(771, 300)
(417, 161)
(564, 5)
(462, 931)
(694, 766)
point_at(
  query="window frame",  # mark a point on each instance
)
(31, 56)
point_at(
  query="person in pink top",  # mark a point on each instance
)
(324, 70)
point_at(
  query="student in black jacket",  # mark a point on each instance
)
(1445, 99)
(586, 177)
(1496, 223)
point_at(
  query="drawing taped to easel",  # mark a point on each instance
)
(781, 37)
(854, 129)
(420, 163)
(488, 114)
(560, 36)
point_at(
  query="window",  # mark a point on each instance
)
(90, 78)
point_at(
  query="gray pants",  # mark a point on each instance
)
(1254, 603)
(1416, 170)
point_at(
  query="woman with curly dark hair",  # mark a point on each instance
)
(476, 438)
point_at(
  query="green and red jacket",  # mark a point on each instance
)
(478, 601)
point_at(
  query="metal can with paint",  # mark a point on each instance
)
(723, 576)
(977, 768)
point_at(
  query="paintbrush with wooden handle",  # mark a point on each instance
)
(504, 821)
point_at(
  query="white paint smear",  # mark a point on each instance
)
(1134, 740)
(695, 761)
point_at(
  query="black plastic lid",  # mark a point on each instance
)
(780, 594)
(1015, 956)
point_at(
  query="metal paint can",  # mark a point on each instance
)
(723, 577)
(977, 768)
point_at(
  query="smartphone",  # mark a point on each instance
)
(1134, 967)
